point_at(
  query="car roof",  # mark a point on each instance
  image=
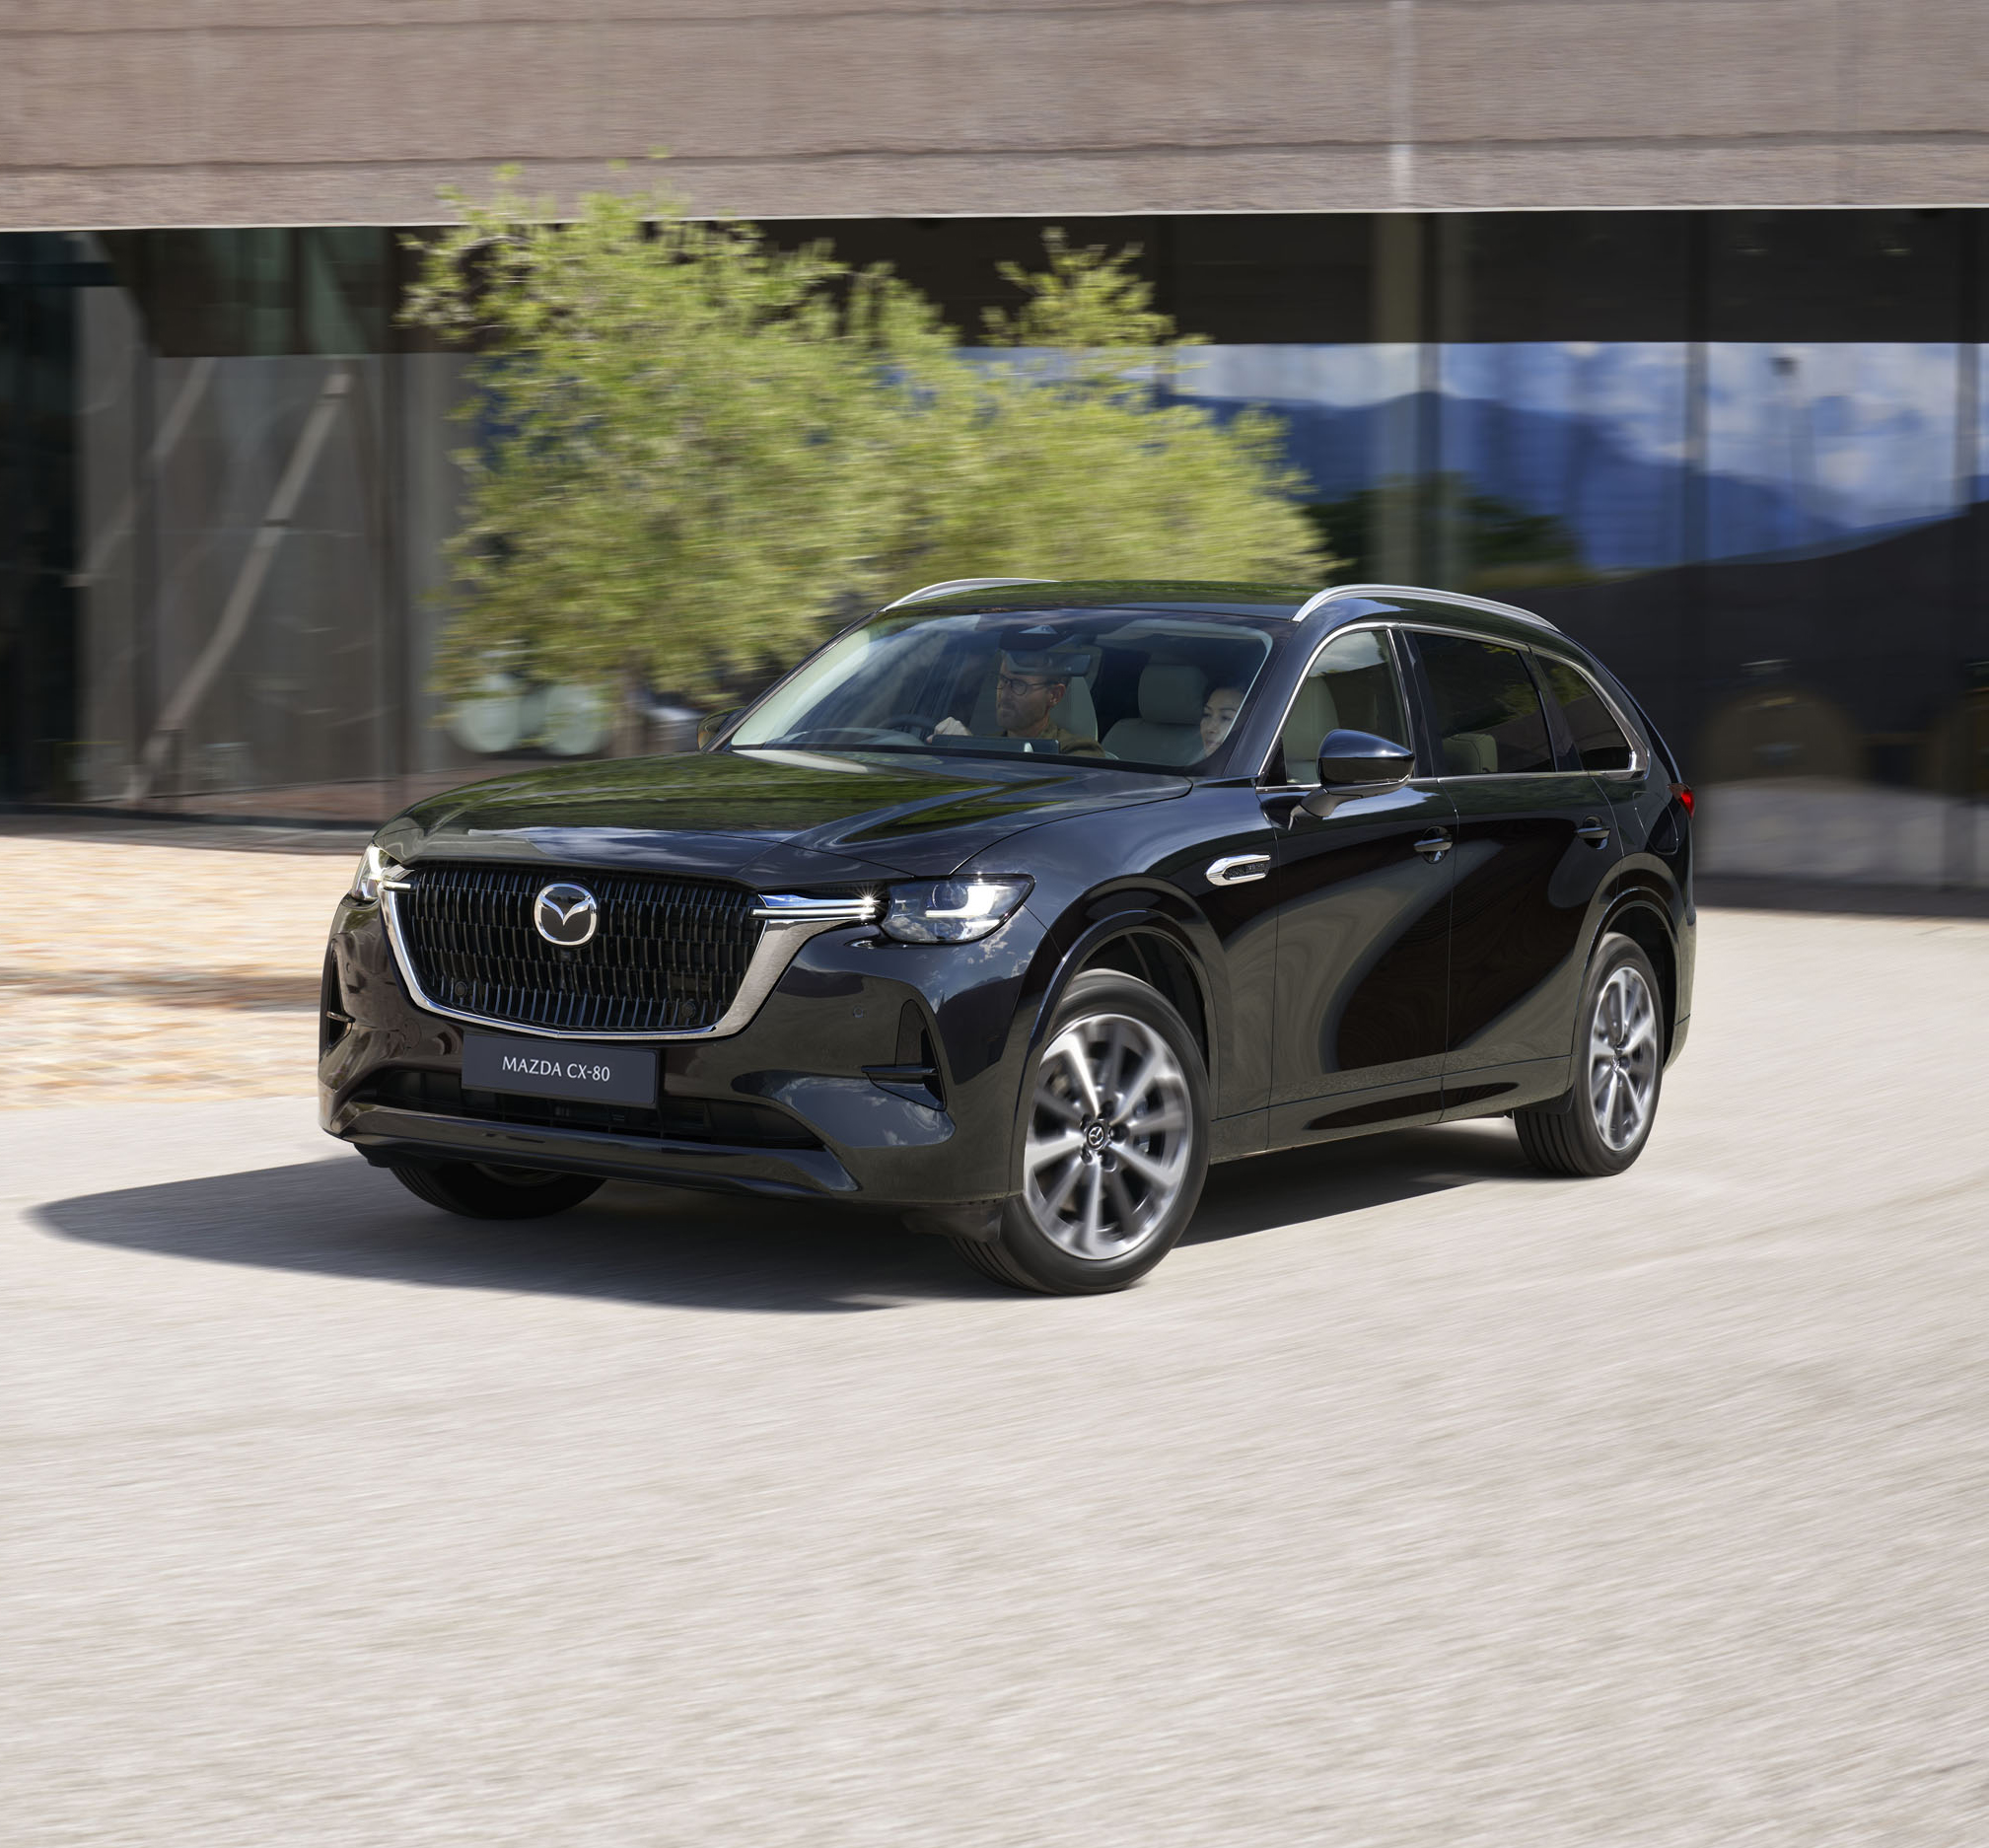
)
(1293, 603)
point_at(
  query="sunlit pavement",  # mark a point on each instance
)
(1414, 1500)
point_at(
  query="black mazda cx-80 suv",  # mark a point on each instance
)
(1020, 903)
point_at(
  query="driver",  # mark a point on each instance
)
(1028, 689)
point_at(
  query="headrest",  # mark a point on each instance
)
(1471, 753)
(1075, 712)
(1171, 694)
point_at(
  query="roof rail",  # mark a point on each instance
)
(948, 585)
(1320, 599)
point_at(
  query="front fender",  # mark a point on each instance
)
(1072, 943)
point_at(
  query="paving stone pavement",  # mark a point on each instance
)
(1415, 1500)
(159, 965)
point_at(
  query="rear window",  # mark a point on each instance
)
(1489, 718)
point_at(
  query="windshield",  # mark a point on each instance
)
(1157, 691)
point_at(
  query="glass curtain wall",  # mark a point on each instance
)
(1741, 454)
(240, 485)
(38, 666)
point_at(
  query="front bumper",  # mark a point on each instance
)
(817, 1077)
(385, 1134)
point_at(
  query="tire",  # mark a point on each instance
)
(1620, 1071)
(1110, 1175)
(483, 1190)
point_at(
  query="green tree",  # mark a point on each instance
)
(1057, 458)
(700, 450)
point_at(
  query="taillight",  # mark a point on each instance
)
(1684, 795)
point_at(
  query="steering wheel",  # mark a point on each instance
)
(915, 723)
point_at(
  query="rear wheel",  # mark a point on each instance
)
(1116, 1146)
(488, 1190)
(1620, 1069)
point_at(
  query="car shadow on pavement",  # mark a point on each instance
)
(1323, 1182)
(650, 1244)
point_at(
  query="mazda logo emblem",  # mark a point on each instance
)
(566, 914)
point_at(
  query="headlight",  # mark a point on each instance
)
(952, 910)
(374, 866)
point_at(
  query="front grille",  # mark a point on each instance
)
(668, 957)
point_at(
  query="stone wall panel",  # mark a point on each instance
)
(246, 111)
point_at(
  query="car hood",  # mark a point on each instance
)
(767, 817)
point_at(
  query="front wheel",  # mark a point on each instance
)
(1620, 1069)
(486, 1191)
(1116, 1146)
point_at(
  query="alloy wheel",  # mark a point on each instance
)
(1623, 1058)
(1108, 1139)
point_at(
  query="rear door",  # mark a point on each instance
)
(1534, 843)
(1595, 738)
(1363, 896)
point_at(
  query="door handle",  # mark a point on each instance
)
(1433, 846)
(1594, 832)
(1238, 869)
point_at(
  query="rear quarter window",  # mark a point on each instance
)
(1600, 741)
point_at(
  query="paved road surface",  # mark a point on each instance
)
(1414, 1500)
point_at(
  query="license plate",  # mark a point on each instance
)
(559, 1068)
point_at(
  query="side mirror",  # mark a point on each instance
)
(714, 723)
(1348, 758)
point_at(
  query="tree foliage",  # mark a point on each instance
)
(697, 449)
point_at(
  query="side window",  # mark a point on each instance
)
(1351, 685)
(1489, 721)
(1600, 743)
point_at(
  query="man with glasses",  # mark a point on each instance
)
(1028, 689)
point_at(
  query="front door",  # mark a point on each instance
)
(1362, 905)
(1534, 844)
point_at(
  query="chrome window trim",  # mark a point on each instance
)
(947, 587)
(785, 928)
(1421, 593)
(1383, 625)
(1640, 757)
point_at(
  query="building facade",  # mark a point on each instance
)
(1665, 318)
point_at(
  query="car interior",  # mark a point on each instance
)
(1168, 725)
(1142, 690)
(1488, 711)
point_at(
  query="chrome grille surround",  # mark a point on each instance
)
(674, 958)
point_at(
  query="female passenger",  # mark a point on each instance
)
(1219, 713)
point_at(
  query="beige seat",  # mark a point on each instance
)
(1313, 714)
(1168, 728)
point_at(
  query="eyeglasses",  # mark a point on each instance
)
(1015, 684)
